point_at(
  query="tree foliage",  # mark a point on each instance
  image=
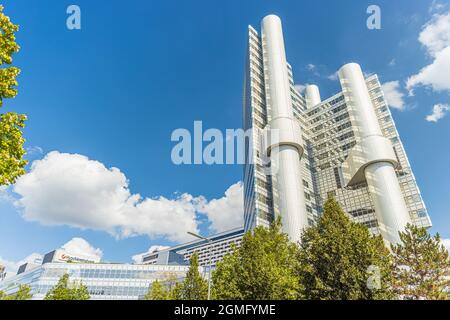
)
(421, 266)
(176, 293)
(24, 293)
(157, 292)
(11, 124)
(166, 289)
(67, 290)
(194, 286)
(11, 147)
(262, 268)
(340, 259)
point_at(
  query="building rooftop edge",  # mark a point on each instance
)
(231, 232)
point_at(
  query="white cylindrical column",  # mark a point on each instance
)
(358, 100)
(387, 199)
(390, 207)
(285, 155)
(312, 95)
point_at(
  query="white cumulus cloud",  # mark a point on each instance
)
(79, 246)
(74, 246)
(73, 190)
(435, 75)
(393, 95)
(435, 37)
(439, 111)
(446, 243)
(333, 77)
(224, 214)
(227, 212)
(300, 88)
(70, 189)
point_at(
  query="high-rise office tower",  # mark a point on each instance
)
(305, 149)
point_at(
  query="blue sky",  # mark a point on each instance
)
(115, 90)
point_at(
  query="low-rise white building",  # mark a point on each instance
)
(105, 281)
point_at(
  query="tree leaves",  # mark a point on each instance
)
(194, 286)
(11, 124)
(24, 293)
(8, 43)
(335, 257)
(8, 47)
(66, 290)
(157, 292)
(422, 266)
(8, 83)
(262, 268)
(11, 147)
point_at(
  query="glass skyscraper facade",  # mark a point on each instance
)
(346, 146)
(259, 205)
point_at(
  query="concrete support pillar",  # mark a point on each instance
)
(285, 151)
(384, 189)
(312, 96)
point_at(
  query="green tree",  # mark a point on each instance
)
(263, 267)
(158, 291)
(67, 290)
(11, 124)
(176, 293)
(170, 288)
(421, 266)
(2, 295)
(340, 259)
(194, 286)
(24, 293)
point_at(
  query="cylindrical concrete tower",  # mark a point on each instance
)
(384, 189)
(312, 95)
(286, 146)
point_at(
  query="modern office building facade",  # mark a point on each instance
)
(104, 281)
(306, 149)
(219, 245)
(107, 281)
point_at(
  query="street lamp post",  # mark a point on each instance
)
(209, 260)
